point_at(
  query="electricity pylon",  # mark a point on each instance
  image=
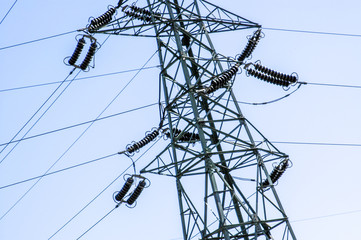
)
(220, 161)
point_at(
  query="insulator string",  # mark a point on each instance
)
(267, 78)
(146, 140)
(276, 173)
(79, 48)
(102, 20)
(271, 76)
(92, 49)
(222, 80)
(125, 189)
(273, 73)
(139, 13)
(138, 190)
(185, 137)
(251, 45)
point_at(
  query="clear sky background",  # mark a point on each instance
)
(318, 126)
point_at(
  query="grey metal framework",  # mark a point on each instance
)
(223, 177)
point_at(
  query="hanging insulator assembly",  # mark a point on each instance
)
(251, 45)
(139, 13)
(147, 139)
(79, 48)
(136, 192)
(186, 136)
(289, 78)
(276, 173)
(121, 194)
(102, 20)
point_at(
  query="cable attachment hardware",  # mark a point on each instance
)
(251, 45)
(258, 71)
(139, 13)
(102, 20)
(185, 136)
(78, 50)
(221, 81)
(149, 137)
(276, 173)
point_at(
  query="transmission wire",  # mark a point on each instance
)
(37, 40)
(266, 28)
(37, 111)
(58, 171)
(98, 222)
(101, 192)
(8, 12)
(312, 32)
(333, 85)
(76, 79)
(58, 158)
(327, 216)
(319, 143)
(79, 124)
(68, 149)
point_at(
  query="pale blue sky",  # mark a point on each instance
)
(323, 181)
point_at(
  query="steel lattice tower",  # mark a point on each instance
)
(212, 145)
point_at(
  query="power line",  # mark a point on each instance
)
(8, 12)
(36, 112)
(37, 40)
(76, 79)
(79, 124)
(333, 85)
(152, 67)
(12, 207)
(58, 171)
(98, 222)
(266, 28)
(80, 136)
(313, 32)
(16, 203)
(101, 192)
(320, 144)
(327, 216)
